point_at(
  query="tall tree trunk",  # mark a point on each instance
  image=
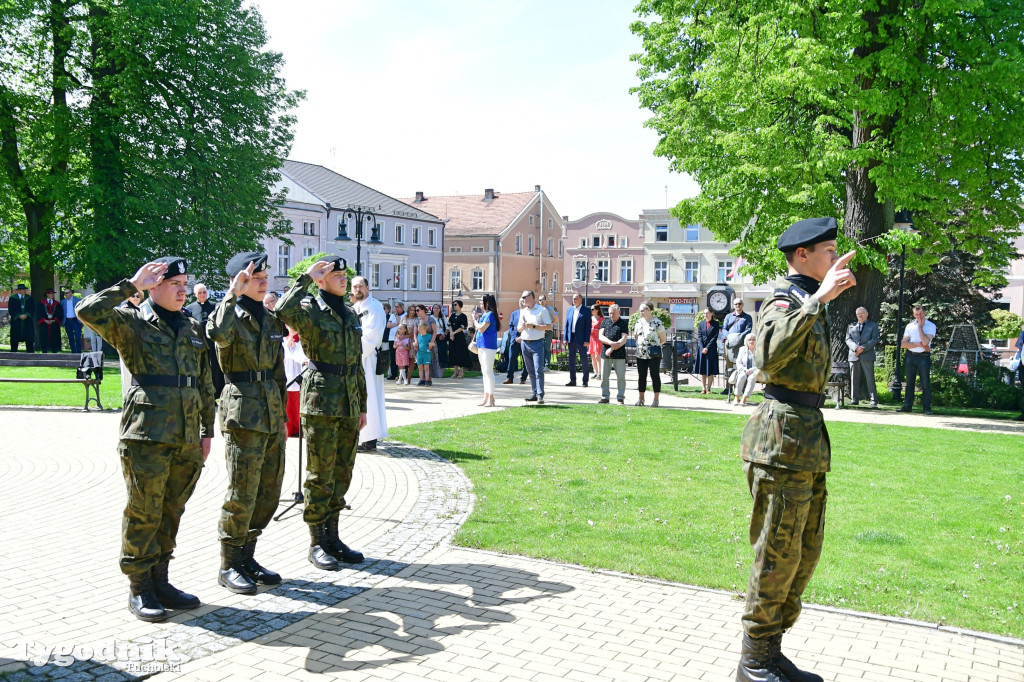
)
(106, 169)
(865, 216)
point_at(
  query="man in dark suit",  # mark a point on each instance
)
(22, 309)
(861, 339)
(577, 334)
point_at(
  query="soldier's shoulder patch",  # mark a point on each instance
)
(799, 293)
(276, 337)
(239, 310)
(305, 303)
(781, 303)
(197, 342)
(781, 293)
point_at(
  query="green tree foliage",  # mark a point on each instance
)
(786, 110)
(1006, 325)
(300, 268)
(659, 313)
(135, 128)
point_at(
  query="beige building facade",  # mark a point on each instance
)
(498, 243)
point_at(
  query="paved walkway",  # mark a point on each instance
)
(417, 609)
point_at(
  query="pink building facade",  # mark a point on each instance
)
(604, 261)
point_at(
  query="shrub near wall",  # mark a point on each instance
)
(991, 387)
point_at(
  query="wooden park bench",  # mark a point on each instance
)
(90, 378)
(839, 380)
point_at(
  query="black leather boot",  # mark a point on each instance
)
(142, 599)
(259, 574)
(338, 549)
(169, 595)
(756, 663)
(232, 573)
(785, 665)
(319, 549)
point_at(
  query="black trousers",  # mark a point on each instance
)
(918, 365)
(643, 365)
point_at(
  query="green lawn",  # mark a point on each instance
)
(921, 523)
(68, 395)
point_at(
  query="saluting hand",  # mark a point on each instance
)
(838, 279)
(149, 275)
(240, 283)
(319, 270)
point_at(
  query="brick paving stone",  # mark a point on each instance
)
(417, 608)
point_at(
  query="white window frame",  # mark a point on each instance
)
(531, 221)
(307, 252)
(375, 275)
(686, 233)
(415, 235)
(610, 241)
(659, 231)
(661, 271)
(430, 277)
(399, 233)
(561, 249)
(396, 275)
(625, 263)
(623, 242)
(724, 268)
(554, 282)
(478, 279)
(454, 249)
(551, 223)
(695, 270)
(455, 278)
(595, 241)
(529, 244)
(414, 278)
(604, 274)
(551, 247)
(431, 237)
(583, 242)
(580, 266)
(284, 259)
(519, 243)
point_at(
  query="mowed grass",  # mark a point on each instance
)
(921, 523)
(65, 395)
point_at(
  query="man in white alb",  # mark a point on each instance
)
(373, 321)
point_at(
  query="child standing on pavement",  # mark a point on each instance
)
(424, 343)
(402, 354)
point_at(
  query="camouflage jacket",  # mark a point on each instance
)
(331, 338)
(792, 351)
(148, 345)
(244, 346)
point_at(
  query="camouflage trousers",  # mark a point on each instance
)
(331, 442)
(255, 462)
(160, 479)
(787, 527)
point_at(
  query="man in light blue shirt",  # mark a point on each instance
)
(72, 326)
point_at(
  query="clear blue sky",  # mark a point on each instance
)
(454, 96)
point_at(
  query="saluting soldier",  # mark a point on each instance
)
(333, 402)
(786, 448)
(166, 422)
(248, 339)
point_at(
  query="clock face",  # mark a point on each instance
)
(718, 301)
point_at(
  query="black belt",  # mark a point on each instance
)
(328, 368)
(785, 395)
(175, 381)
(248, 377)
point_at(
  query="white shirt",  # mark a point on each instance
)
(538, 314)
(392, 318)
(912, 334)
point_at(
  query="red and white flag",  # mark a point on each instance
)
(735, 268)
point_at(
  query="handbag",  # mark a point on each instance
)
(1015, 363)
(472, 347)
(383, 361)
(654, 351)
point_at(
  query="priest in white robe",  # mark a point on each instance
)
(373, 321)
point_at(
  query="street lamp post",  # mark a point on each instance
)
(903, 221)
(358, 216)
(576, 283)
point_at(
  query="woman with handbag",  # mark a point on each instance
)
(487, 327)
(442, 336)
(650, 337)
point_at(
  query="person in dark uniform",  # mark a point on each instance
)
(166, 422)
(49, 318)
(333, 402)
(249, 341)
(200, 310)
(785, 446)
(22, 309)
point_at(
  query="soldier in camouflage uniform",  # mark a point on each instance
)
(786, 446)
(248, 339)
(333, 402)
(166, 423)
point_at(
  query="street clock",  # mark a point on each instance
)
(720, 299)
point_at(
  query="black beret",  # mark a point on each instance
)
(339, 262)
(21, 287)
(50, 291)
(240, 261)
(175, 266)
(807, 233)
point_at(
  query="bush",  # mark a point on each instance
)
(990, 388)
